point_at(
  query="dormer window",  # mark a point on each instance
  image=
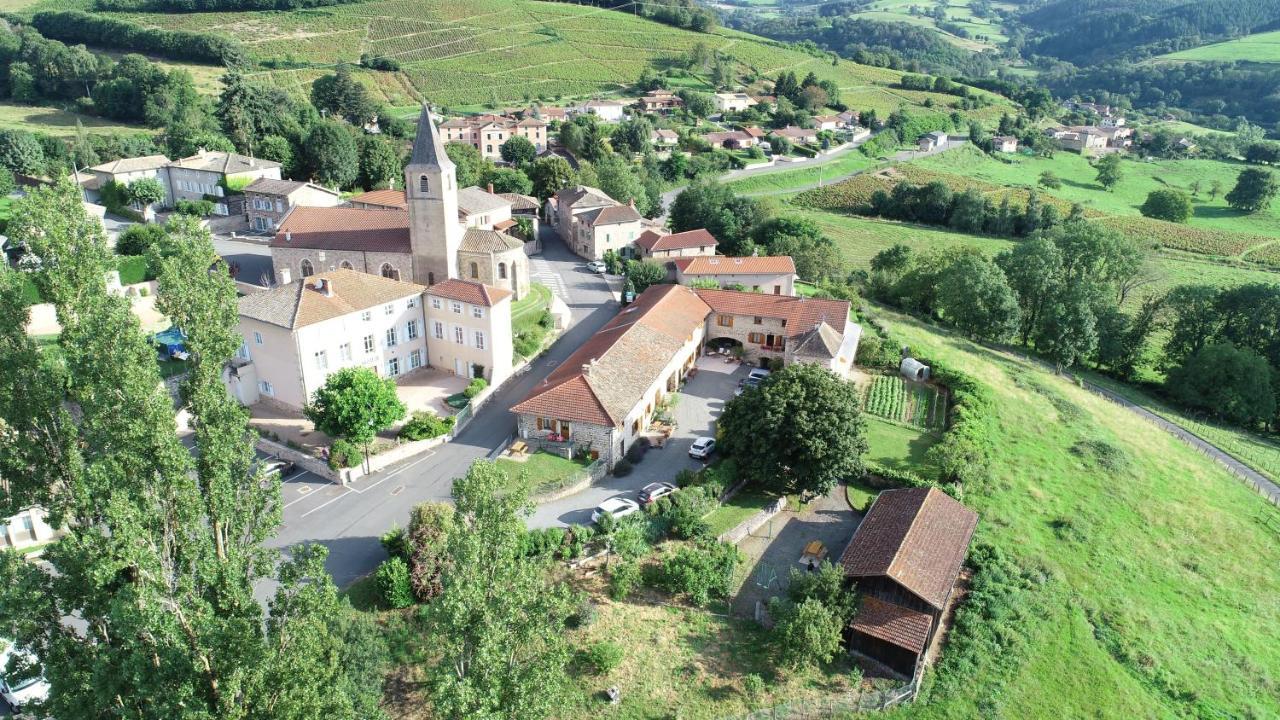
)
(424, 184)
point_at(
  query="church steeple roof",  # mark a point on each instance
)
(428, 147)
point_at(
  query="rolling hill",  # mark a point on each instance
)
(1259, 48)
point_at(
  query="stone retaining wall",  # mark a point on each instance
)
(735, 535)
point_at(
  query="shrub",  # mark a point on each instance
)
(196, 208)
(584, 616)
(344, 454)
(807, 634)
(684, 515)
(624, 578)
(429, 526)
(393, 583)
(527, 344)
(423, 425)
(579, 537)
(636, 452)
(826, 585)
(545, 542)
(1168, 204)
(685, 478)
(396, 542)
(700, 572)
(601, 657)
(139, 239)
(753, 685)
(622, 468)
(475, 387)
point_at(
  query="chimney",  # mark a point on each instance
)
(490, 188)
(586, 369)
(285, 276)
(288, 236)
(325, 286)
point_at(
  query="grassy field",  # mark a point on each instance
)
(739, 507)
(1140, 178)
(859, 495)
(52, 121)
(541, 473)
(898, 446)
(1259, 47)
(1159, 577)
(463, 53)
(789, 181)
(528, 309)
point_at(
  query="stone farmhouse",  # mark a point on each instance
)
(774, 275)
(605, 394)
(267, 201)
(429, 233)
(657, 245)
(796, 134)
(904, 559)
(610, 111)
(660, 102)
(1004, 143)
(487, 133)
(590, 222)
(205, 175)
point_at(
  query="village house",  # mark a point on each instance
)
(469, 326)
(528, 208)
(796, 135)
(605, 394)
(663, 137)
(1079, 139)
(610, 111)
(26, 529)
(429, 233)
(755, 132)
(932, 141)
(1004, 143)
(298, 333)
(849, 117)
(767, 102)
(660, 102)
(547, 114)
(730, 140)
(124, 171)
(828, 122)
(268, 201)
(487, 133)
(205, 175)
(773, 275)
(590, 222)
(732, 101)
(903, 560)
(656, 245)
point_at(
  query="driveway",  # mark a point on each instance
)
(701, 401)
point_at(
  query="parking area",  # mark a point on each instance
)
(304, 493)
(700, 403)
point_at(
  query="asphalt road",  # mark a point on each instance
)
(349, 520)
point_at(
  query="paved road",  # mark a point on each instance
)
(253, 260)
(349, 520)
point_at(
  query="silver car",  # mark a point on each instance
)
(702, 448)
(20, 693)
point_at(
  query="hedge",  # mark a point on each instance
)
(74, 26)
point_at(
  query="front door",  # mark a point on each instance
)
(564, 428)
(459, 367)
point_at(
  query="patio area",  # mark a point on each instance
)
(427, 388)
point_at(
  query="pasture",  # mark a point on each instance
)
(52, 121)
(1259, 48)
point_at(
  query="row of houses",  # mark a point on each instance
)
(1083, 138)
(214, 175)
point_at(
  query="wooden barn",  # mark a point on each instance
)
(904, 558)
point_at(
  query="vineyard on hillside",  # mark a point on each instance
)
(915, 404)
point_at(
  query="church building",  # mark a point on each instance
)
(440, 232)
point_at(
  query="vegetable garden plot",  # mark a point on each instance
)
(914, 404)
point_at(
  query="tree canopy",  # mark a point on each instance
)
(355, 404)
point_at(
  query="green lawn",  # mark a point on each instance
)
(859, 495)
(739, 507)
(1259, 48)
(788, 181)
(541, 473)
(1158, 578)
(1140, 178)
(898, 446)
(528, 309)
(52, 121)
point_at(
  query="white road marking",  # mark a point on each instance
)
(540, 272)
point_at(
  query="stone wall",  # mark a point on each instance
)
(324, 260)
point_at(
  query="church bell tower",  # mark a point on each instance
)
(431, 192)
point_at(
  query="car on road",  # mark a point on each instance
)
(747, 383)
(597, 266)
(702, 448)
(654, 492)
(618, 507)
(20, 693)
(758, 374)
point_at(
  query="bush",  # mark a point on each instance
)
(701, 572)
(584, 616)
(753, 685)
(580, 537)
(545, 542)
(344, 454)
(392, 578)
(601, 657)
(475, 387)
(624, 578)
(1168, 204)
(685, 512)
(139, 239)
(396, 542)
(807, 634)
(196, 208)
(423, 425)
(527, 344)
(685, 478)
(622, 468)
(636, 452)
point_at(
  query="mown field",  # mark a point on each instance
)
(1156, 576)
(1259, 47)
(52, 121)
(472, 53)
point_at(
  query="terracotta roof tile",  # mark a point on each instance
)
(487, 241)
(385, 198)
(469, 292)
(652, 240)
(721, 265)
(916, 536)
(611, 215)
(606, 377)
(344, 228)
(302, 303)
(800, 314)
(906, 628)
(228, 163)
(127, 165)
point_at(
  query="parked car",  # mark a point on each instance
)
(758, 374)
(747, 383)
(655, 491)
(278, 466)
(618, 507)
(702, 448)
(21, 693)
(597, 266)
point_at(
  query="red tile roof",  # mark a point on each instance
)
(344, 228)
(651, 240)
(801, 313)
(906, 628)
(385, 198)
(607, 376)
(918, 537)
(721, 265)
(469, 292)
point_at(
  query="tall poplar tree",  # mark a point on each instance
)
(148, 609)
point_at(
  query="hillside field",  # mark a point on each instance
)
(52, 121)
(1259, 48)
(467, 54)
(1155, 575)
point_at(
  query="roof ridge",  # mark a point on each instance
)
(911, 527)
(297, 305)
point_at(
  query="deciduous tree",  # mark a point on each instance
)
(1109, 171)
(518, 151)
(975, 297)
(550, 175)
(332, 157)
(1167, 204)
(1254, 190)
(355, 404)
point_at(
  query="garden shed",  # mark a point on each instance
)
(913, 369)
